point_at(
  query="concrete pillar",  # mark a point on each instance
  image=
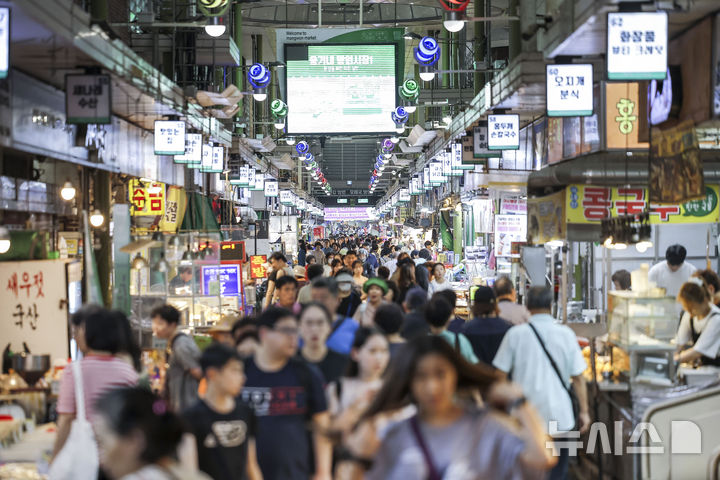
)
(479, 79)
(515, 41)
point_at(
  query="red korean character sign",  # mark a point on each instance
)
(146, 198)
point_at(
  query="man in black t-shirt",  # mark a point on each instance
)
(223, 427)
(315, 325)
(287, 394)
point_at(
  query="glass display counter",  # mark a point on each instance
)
(185, 271)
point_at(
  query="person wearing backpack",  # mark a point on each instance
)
(289, 402)
(438, 313)
(183, 373)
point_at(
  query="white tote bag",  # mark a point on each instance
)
(78, 459)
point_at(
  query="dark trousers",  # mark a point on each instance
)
(560, 471)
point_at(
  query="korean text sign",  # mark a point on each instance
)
(503, 132)
(193, 149)
(88, 99)
(569, 90)
(33, 293)
(258, 266)
(221, 280)
(169, 137)
(589, 205)
(146, 198)
(508, 229)
(271, 188)
(637, 45)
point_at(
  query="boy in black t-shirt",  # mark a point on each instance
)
(223, 427)
(287, 395)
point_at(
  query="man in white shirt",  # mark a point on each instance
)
(522, 355)
(507, 304)
(673, 272)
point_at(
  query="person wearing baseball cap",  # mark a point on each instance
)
(486, 330)
(376, 289)
(673, 272)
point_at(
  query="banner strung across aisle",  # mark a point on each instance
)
(588, 204)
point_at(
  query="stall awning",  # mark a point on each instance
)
(199, 215)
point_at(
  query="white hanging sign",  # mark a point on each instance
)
(244, 179)
(569, 90)
(251, 178)
(193, 149)
(436, 173)
(169, 137)
(87, 99)
(259, 182)
(271, 188)
(404, 195)
(4, 42)
(637, 45)
(301, 205)
(446, 158)
(206, 164)
(503, 132)
(426, 179)
(218, 159)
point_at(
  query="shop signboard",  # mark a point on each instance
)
(480, 144)
(207, 153)
(404, 195)
(34, 294)
(221, 280)
(244, 178)
(436, 174)
(637, 45)
(456, 152)
(169, 137)
(512, 205)
(193, 149)
(232, 250)
(508, 229)
(504, 132)
(218, 159)
(146, 198)
(546, 218)
(258, 266)
(676, 171)
(174, 209)
(625, 122)
(301, 205)
(426, 179)
(340, 214)
(587, 204)
(286, 197)
(259, 182)
(569, 90)
(271, 188)
(446, 159)
(4, 42)
(87, 98)
(251, 178)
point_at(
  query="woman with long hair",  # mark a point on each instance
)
(406, 281)
(450, 437)
(700, 326)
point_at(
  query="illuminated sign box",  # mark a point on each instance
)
(637, 45)
(569, 90)
(221, 280)
(169, 137)
(503, 132)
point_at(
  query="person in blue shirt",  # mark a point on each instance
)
(326, 291)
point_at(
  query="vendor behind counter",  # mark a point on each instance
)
(700, 325)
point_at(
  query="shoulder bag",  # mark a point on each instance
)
(78, 459)
(570, 390)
